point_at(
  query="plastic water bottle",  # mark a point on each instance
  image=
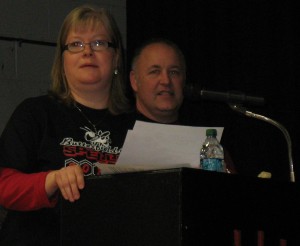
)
(211, 153)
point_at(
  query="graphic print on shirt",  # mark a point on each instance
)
(96, 148)
(97, 137)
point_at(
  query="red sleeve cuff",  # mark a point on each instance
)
(24, 192)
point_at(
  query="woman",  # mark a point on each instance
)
(51, 142)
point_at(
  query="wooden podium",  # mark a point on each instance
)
(181, 207)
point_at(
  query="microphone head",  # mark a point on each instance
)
(232, 97)
(194, 93)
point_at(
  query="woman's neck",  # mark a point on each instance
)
(92, 100)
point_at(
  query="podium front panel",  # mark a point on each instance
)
(125, 209)
(181, 207)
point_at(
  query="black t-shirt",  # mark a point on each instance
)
(44, 134)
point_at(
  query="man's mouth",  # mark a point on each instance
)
(171, 93)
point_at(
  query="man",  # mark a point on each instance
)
(157, 77)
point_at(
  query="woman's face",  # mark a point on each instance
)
(88, 70)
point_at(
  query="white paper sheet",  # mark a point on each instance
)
(158, 146)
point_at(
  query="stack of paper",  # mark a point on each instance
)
(159, 146)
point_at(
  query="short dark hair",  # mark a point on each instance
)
(157, 40)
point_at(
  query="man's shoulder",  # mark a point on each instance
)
(126, 119)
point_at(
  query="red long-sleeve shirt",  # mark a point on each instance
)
(23, 192)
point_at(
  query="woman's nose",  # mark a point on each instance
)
(88, 51)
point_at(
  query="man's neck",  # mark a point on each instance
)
(165, 119)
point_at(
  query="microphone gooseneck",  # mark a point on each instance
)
(286, 134)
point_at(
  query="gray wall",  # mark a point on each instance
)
(24, 67)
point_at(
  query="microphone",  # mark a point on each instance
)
(231, 97)
(235, 101)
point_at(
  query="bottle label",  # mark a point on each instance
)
(212, 164)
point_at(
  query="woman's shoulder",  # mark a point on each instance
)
(40, 103)
(37, 101)
(37, 107)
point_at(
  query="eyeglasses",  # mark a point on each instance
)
(96, 45)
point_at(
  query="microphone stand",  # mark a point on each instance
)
(244, 111)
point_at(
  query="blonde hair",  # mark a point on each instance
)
(91, 16)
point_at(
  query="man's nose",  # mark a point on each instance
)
(165, 78)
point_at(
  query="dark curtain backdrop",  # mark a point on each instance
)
(250, 46)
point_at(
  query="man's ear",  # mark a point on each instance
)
(133, 81)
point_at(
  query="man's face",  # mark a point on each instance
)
(157, 81)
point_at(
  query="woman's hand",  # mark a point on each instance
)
(69, 180)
